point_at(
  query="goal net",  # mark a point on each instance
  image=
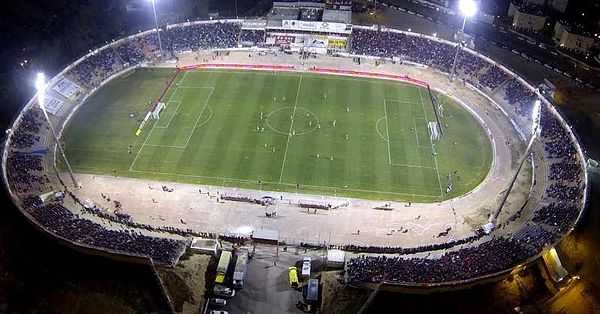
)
(434, 132)
(158, 109)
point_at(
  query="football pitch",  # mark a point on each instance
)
(281, 131)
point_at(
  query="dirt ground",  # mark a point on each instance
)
(336, 298)
(185, 283)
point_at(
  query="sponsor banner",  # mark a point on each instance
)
(66, 88)
(337, 43)
(316, 26)
(53, 105)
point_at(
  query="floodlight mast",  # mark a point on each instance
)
(468, 9)
(536, 130)
(40, 84)
(157, 30)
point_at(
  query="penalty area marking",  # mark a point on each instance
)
(173, 116)
(437, 169)
(377, 128)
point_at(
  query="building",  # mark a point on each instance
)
(572, 37)
(529, 17)
(558, 5)
(534, 2)
(306, 26)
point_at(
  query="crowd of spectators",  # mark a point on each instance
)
(414, 49)
(95, 68)
(534, 236)
(493, 77)
(61, 221)
(26, 134)
(131, 53)
(25, 173)
(475, 69)
(397, 249)
(252, 37)
(520, 98)
(562, 192)
(495, 255)
(560, 215)
(202, 36)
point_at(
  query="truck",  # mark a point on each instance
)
(223, 266)
(241, 265)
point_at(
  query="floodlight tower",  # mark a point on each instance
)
(468, 8)
(157, 30)
(40, 84)
(536, 130)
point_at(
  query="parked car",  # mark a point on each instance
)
(219, 312)
(306, 266)
(223, 291)
(216, 302)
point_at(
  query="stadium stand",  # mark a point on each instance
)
(202, 36)
(252, 37)
(462, 259)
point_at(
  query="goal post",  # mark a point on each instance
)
(158, 109)
(434, 131)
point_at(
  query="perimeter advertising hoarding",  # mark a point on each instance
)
(316, 26)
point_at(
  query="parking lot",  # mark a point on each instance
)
(266, 285)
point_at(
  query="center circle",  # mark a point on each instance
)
(287, 121)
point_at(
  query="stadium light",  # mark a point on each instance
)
(157, 30)
(537, 110)
(536, 130)
(40, 85)
(468, 9)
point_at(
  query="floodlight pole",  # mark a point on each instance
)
(536, 130)
(41, 103)
(157, 29)
(462, 31)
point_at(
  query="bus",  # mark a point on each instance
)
(239, 272)
(223, 266)
(293, 273)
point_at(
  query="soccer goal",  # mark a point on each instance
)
(158, 109)
(434, 132)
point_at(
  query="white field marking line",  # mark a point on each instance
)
(437, 169)
(416, 136)
(199, 116)
(150, 133)
(387, 127)
(412, 166)
(184, 76)
(377, 128)
(400, 101)
(192, 87)
(270, 182)
(291, 127)
(169, 146)
(173, 116)
(178, 146)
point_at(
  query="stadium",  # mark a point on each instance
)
(420, 158)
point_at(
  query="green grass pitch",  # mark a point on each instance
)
(281, 131)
